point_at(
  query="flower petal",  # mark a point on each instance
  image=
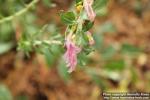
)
(89, 10)
(70, 55)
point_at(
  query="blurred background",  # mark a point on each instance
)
(119, 63)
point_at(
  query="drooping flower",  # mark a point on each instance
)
(70, 55)
(89, 10)
(90, 38)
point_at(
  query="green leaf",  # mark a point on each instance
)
(115, 65)
(100, 7)
(78, 1)
(48, 56)
(107, 27)
(97, 79)
(134, 75)
(68, 18)
(47, 3)
(138, 7)
(5, 94)
(52, 53)
(6, 32)
(98, 4)
(108, 52)
(99, 82)
(102, 12)
(87, 25)
(130, 49)
(5, 47)
(99, 39)
(25, 46)
(62, 71)
(88, 50)
(82, 59)
(82, 39)
(56, 50)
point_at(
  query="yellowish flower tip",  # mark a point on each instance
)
(74, 27)
(79, 7)
(73, 37)
(90, 38)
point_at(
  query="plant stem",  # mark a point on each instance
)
(21, 12)
(47, 42)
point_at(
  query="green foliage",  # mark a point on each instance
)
(6, 32)
(87, 25)
(82, 39)
(107, 27)
(52, 54)
(98, 4)
(138, 7)
(35, 41)
(42, 42)
(99, 40)
(5, 47)
(82, 59)
(100, 7)
(102, 12)
(78, 1)
(22, 97)
(47, 3)
(46, 40)
(108, 52)
(130, 49)
(6, 37)
(68, 18)
(97, 79)
(115, 65)
(78, 25)
(134, 75)
(28, 29)
(62, 70)
(49, 57)
(5, 93)
(26, 46)
(9, 7)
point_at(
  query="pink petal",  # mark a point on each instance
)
(70, 55)
(89, 10)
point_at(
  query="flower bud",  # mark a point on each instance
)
(90, 38)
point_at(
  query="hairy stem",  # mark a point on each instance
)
(21, 12)
(47, 42)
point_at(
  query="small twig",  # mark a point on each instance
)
(48, 42)
(53, 42)
(21, 12)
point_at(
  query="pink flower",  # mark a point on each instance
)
(89, 10)
(70, 55)
(90, 38)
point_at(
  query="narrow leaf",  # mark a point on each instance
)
(68, 18)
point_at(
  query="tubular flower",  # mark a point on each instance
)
(90, 38)
(70, 55)
(89, 10)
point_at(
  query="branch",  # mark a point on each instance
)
(21, 12)
(47, 42)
